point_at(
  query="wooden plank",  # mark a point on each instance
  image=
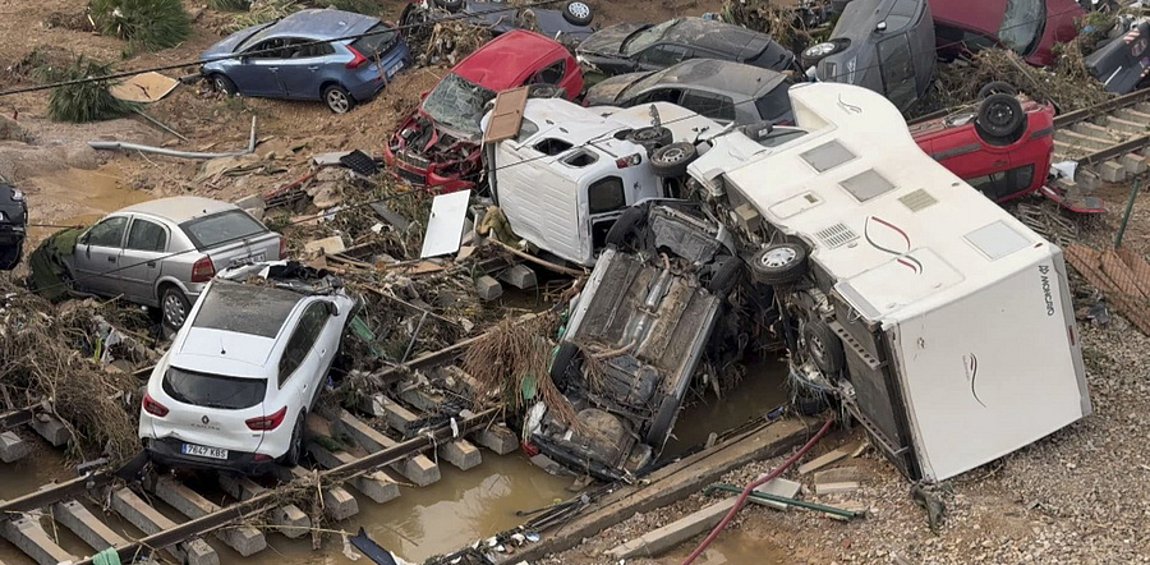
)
(669, 484)
(507, 115)
(827, 458)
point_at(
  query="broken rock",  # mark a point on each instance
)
(327, 245)
(328, 195)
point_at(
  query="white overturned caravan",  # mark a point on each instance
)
(945, 324)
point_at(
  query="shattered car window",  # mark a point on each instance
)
(1022, 24)
(647, 37)
(457, 103)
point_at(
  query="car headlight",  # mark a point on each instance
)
(17, 195)
(580, 59)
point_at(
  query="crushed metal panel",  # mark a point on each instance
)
(507, 115)
(445, 224)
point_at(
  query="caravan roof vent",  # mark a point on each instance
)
(917, 200)
(837, 235)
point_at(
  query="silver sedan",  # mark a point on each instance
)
(162, 253)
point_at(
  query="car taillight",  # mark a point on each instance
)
(154, 408)
(260, 457)
(267, 423)
(358, 61)
(283, 247)
(203, 270)
(624, 162)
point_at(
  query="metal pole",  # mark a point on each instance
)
(1134, 188)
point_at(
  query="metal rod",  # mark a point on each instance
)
(161, 125)
(763, 497)
(125, 146)
(1134, 188)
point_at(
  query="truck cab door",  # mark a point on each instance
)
(606, 199)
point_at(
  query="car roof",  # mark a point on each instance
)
(180, 209)
(716, 36)
(728, 77)
(860, 18)
(317, 23)
(504, 61)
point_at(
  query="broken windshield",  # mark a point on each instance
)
(1022, 25)
(647, 37)
(457, 103)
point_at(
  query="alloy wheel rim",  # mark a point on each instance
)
(337, 101)
(174, 310)
(579, 9)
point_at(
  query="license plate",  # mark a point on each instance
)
(205, 451)
(253, 258)
(394, 69)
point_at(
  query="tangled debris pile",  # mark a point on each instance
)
(447, 42)
(796, 25)
(79, 360)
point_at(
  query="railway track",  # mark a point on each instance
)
(1111, 141)
(407, 432)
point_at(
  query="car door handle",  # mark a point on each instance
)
(313, 68)
(151, 263)
(273, 69)
(111, 259)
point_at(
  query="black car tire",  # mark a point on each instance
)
(672, 160)
(996, 87)
(176, 297)
(449, 5)
(578, 12)
(626, 226)
(295, 448)
(543, 91)
(413, 14)
(819, 51)
(779, 264)
(338, 99)
(1000, 119)
(221, 83)
(652, 137)
(724, 276)
(10, 255)
(564, 359)
(824, 347)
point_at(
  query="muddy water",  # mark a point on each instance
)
(462, 507)
(24, 476)
(78, 197)
(762, 389)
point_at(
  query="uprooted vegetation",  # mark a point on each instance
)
(83, 101)
(145, 24)
(67, 356)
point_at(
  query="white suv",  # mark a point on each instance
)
(233, 390)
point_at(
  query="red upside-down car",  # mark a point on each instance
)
(1002, 148)
(439, 145)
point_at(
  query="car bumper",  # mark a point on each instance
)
(167, 452)
(10, 233)
(413, 170)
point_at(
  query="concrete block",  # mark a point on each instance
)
(399, 417)
(1088, 179)
(1079, 141)
(1111, 171)
(519, 276)
(149, 520)
(377, 486)
(27, 534)
(833, 488)
(660, 540)
(837, 475)
(488, 288)
(461, 453)
(339, 504)
(1093, 130)
(1134, 163)
(779, 487)
(328, 245)
(291, 521)
(418, 469)
(1133, 115)
(497, 437)
(1119, 124)
(13, 447)
(238, 486)
(246, 540)
(72, 515)
(51, 429)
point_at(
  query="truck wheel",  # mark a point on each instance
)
(652, 137)
(449, 5)
(578, 13)
(10, 256)
(724, 277)
(823, 346)
(1000, 119)
(996, 87)
(779, 264)
(625, 227)
(672, 160)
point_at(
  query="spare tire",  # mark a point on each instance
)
(779, 264)
(651, 137)
(672, 160)
(1000, 120)
(578, 12)
(724, 276)
(996, 87)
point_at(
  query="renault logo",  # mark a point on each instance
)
(205, 420)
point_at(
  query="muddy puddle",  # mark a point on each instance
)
(462, 507)
(78, 197)
(762, 389)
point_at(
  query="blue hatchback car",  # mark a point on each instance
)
(281, 59)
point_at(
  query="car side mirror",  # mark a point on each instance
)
(332, 309)
(880, 27)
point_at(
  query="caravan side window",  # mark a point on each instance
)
(606, 195)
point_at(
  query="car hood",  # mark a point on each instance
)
(607, 91)
(228, 45)
(609, 41)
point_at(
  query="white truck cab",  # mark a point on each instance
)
(571, 171)
(944, 324)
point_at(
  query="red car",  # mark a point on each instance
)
(439, 145)
(1003, 149)
(1028, 27)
